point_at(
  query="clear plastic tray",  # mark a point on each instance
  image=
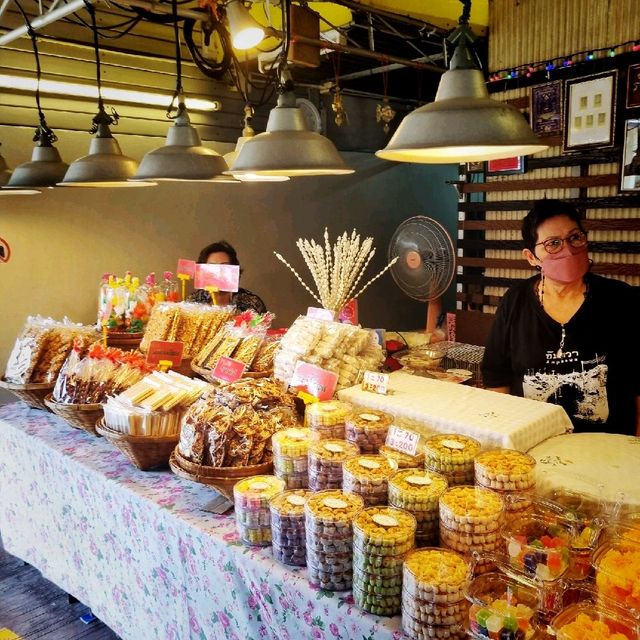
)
(617, 567)
(586, 621)
(505, 470)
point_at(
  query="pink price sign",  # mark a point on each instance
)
(314, 380)
(186, 268)
(224, 277)
(228, 369)
(320, 314)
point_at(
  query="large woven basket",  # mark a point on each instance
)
(78, 416)
(124, 340)
(221, 478)
(146, 452)
(32, 394)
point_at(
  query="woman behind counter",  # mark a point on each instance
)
(567, 336)
(223, 253)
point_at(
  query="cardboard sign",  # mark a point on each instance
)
(320, 314)
(314, 380)
(224, 277)
(375, 382)
(349, 313)
(165, 350)
(186, 268)
(228, 369)
(403, 440)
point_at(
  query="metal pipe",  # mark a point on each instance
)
(365, 53)
(383, 69)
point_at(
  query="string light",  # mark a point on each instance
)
(564, 62)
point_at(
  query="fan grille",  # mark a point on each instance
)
(426, 264)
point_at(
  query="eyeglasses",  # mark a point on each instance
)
(554, 245)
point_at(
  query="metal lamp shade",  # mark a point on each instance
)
(288, 148)
(231, 157)
(44, 170)
(104, 166)
(245, 31)
(462, 125)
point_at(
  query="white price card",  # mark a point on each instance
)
(403, 440)
(375, 382)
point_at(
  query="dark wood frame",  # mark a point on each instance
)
(624, 153)
(552, 94)
(633, 93)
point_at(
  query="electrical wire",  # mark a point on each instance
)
(107, 30)
(215, 71)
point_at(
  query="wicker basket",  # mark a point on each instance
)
(32, 394)
(78, 416)
(146, 452)
(205, 374)
(221, 478)
(124, 340)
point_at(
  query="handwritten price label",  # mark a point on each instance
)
(165, 350)
(228, 369)
(375, 382)
(403, 440)
(314, 380)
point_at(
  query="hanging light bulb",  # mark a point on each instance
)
(463, 124)
(247, 134)
(245, 31)
(105, 165)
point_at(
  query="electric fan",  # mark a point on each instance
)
(426, 262)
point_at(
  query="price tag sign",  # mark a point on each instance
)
(375, 382)
(320, 314)
(402, 440)
(165, 350)
(228, 369)
(314, 380)
(186, 268)
(224, 277)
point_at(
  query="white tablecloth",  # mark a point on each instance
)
(495, 419)
(137, 548)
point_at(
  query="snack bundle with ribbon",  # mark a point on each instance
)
(41, 349)
(90, 378)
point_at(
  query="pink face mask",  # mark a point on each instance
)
(565, 267)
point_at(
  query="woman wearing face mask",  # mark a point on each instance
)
(565, 335)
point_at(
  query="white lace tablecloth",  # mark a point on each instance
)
(495, 419)
(137, 548)
(604, 466)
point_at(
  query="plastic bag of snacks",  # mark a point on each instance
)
(42, 348)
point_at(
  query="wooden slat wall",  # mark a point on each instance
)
(538, 30)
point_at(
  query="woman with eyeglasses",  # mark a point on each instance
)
(566, 335)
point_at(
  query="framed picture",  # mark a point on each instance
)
(475, 167)
(589, 113)
(506, 166)
(630, 161)
(546, 109)
(633, 86)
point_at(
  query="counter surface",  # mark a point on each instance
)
(139, 550)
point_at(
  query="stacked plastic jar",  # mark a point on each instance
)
(617, 568)
(418, 492)
(326, 419)
(325, 460)
(368, 429)
(253, 518)
(403, 460)
(290, 449)
(329, 536)
(287, 527)
(510, 473)
(433, 595)
(452, 456)
(382, 536)
(368, 476)
(471, 519)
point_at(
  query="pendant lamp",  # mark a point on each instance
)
(246, 33)
(183, 157)
(104, 165)
(463, 124)
(247, 134)
(288, 147)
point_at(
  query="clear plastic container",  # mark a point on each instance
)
(256, 492)
(326, 457)
(368, 477)
(505, 470)
(403, 460)
(588, 621)
(326, 414)
(502, 607)
(617, 568)
(539, 546)
(452, 455)
(384, 530)
(293, 555)
(291, 443)
(376, 584)
(333, 510)
(383, 565)
(471, 509)
(287, 509)
(333, 577)
(419, 630)
(254, 536)
(466, 542)
(377, 604)
(416, 490)
(435, 575)
(434, 614)
(368, 429)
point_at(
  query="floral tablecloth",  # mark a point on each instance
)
(139, 550)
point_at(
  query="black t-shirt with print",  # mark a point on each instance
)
(594, 377)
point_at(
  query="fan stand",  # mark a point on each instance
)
(434, 307)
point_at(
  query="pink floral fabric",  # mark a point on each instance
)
(139, 550)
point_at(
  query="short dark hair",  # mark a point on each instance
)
(218, 247)
(542, 211)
